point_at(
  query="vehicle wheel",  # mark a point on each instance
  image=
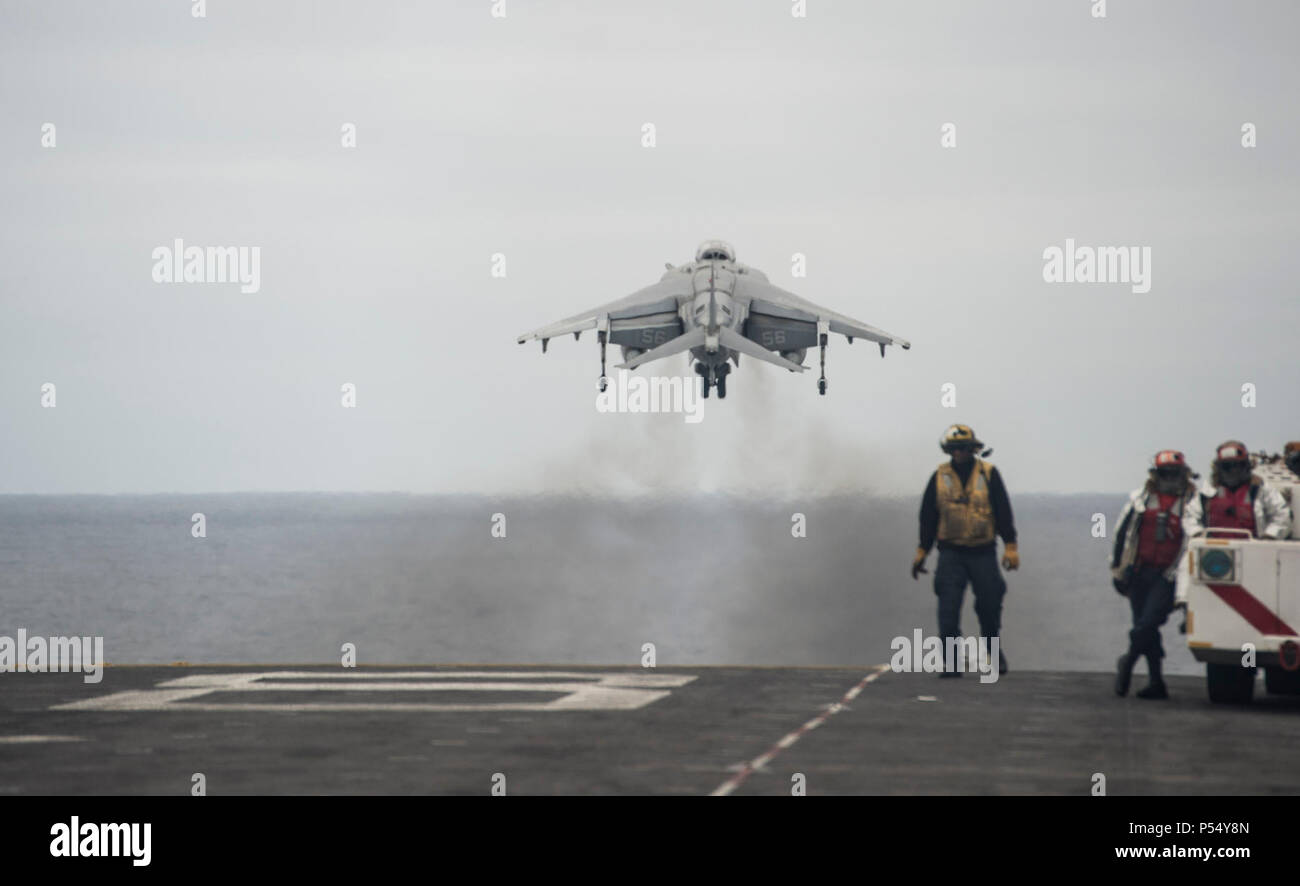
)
(722, 386)
(1282, 682)
(1229, 684)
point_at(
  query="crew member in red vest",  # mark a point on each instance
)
(1237, 499)
(1149, 545)
(1291, 457)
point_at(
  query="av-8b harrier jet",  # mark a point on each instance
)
(717, 309)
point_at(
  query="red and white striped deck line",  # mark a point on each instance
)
(763, 759)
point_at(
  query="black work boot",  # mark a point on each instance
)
(985, 651)
(1155, 687)
(949, 668)
(1123, 673)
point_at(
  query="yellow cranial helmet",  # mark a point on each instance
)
(959, 436)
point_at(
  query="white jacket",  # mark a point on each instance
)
(1272, 515)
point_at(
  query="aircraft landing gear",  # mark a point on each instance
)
(821, 382)
(604, 381)
(702, 371)
(713, 376)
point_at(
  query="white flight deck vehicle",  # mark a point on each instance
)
(1240, 590)
(717, 309)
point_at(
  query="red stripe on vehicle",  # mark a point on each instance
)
(1248, 606)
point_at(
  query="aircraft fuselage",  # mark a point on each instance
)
(713, 306)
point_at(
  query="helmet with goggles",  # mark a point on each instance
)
(959, 437)
(1231, 464)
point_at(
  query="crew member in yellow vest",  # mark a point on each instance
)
(964, 508)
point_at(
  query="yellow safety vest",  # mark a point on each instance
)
(965, 512)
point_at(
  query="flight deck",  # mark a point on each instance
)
(559, 729)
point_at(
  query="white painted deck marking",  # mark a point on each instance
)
(36, 739)
(748, 769)
(582, 691)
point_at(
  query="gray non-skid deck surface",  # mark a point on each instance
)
(1044, 733)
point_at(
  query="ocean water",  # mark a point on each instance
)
(290, 578)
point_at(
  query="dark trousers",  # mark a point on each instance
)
(956, 569)
(1151, 597)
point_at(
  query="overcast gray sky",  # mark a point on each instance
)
(522, 136)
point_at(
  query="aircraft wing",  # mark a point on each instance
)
(779, 319)
(645, 319)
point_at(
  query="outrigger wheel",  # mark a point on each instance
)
(821, 382)
(604, 381)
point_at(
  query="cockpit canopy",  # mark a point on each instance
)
(715, 250)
